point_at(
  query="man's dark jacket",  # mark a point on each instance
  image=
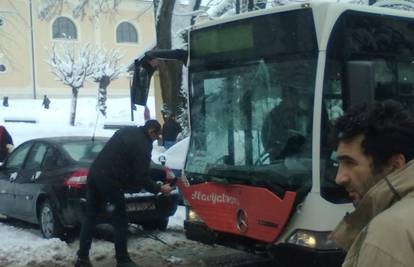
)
(124, 161)
(170, 130)
(5, 139)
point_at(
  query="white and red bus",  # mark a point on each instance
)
(264, 90)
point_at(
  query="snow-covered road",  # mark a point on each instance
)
(21, 244)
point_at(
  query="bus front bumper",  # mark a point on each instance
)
(283, 254)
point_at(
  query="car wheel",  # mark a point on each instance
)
(154, 225)
(50, 225)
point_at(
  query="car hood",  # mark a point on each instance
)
(175, 155)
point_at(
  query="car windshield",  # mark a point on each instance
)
(83, 150)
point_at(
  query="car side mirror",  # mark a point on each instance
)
(162, 159)
(13, 177)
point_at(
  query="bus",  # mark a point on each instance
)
(265, 88)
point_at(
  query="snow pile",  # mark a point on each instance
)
(18, 247)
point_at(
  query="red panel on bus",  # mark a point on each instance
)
(249, 211)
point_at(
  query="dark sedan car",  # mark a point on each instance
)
(43, 181)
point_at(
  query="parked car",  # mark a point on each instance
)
(43, 181)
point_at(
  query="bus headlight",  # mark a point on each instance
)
(312, 239)
(192, 216)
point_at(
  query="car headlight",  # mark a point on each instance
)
(312, 239)
(192, 216)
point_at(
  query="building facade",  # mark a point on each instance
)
(28, 32)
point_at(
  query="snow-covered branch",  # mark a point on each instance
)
(191, 13)
(397, 4)
(221, 8)
(50, 8)
(107, 68)
(79, 10)
(107, 64)
(72, 70)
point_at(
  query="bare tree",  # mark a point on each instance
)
(50, 8)
(170, 71)
(396, 4)
(174, 91)
(170, 74)
(72, 68)
(181, 106)
(107, 69)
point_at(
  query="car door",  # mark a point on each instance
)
(5, 191)
(8, 174)
(26, 187)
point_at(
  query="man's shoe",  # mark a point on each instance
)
(80, 262)
(127, 263)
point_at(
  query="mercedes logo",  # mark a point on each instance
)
(241, 223)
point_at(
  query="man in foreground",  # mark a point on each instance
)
(123, 163)
(375, 152)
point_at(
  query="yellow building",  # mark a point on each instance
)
(25, 37)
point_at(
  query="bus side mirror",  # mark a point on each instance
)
(360, 82)
(169, 54)
(144, 69)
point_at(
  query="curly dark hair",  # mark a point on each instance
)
(153, 124)
(387, 127)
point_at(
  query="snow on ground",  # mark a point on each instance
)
(26, 247)
(19, 247)
(55, 120)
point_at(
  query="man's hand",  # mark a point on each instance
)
(9, 147)
(166, 189)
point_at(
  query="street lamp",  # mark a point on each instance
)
(33, 52)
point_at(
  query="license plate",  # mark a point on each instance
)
(140, 206)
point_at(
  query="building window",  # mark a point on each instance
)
(2, 68)
(126, 33)
(64, 28)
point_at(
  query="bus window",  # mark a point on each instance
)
(385, 42)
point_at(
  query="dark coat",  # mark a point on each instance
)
(125, 161)
(281, 133)
(170, 130)
(5, 139)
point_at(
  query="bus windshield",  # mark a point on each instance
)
(251, 112)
